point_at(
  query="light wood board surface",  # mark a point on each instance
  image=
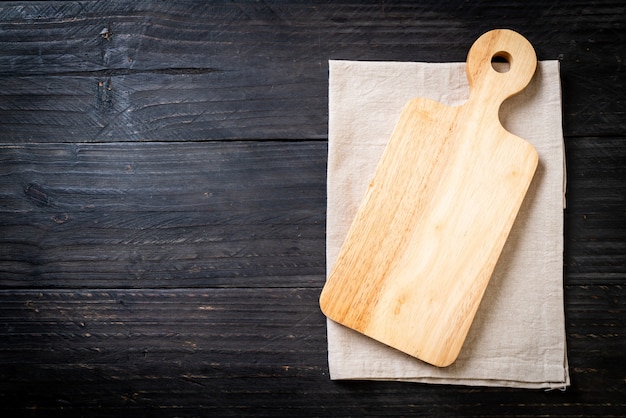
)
(419, 254)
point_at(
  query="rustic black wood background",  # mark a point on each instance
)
(162, 202)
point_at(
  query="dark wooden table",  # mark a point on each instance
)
(162, 203)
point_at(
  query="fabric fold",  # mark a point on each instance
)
(517, 338)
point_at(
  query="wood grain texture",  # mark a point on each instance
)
(88, 201)
(141, 357)
(151, 70)
(99, 352)
(595, 225)
(428, 233)
(166, 215)
(114, 118)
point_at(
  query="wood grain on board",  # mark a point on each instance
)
(162, 202)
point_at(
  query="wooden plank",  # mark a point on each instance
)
(162, 215)
(167, 349)
(221, 178)
(148, 70)
(132, 346)
(173, 107)
(595, 225)
(595, 172)
(595, 248)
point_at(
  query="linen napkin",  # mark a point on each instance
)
(517, 338)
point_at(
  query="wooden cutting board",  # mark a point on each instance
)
(426, 237)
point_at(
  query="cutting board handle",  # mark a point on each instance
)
(487, 80)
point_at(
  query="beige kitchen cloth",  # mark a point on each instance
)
(518, 336)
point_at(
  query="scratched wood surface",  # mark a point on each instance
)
(162, 203)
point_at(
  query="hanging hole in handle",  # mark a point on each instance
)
(501, 62)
